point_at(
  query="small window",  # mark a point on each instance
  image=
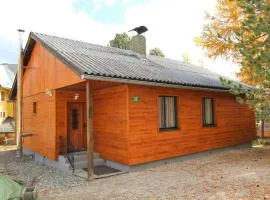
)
(2, 94)
(0, 114)
(4, 114)
(74, 118)
(35, 107)
(208, 115)
(167, 112)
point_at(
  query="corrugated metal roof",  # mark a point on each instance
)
(96, 60)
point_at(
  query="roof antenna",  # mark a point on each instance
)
(139, 29)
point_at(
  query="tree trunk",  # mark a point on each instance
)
(262, 129)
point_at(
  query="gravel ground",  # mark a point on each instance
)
(232, 174)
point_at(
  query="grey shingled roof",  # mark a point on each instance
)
(95, 60)
(7, 126)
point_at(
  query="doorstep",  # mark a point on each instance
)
(100, 171)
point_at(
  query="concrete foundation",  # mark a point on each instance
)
(60, 164)
(127, 168)
(63, 165)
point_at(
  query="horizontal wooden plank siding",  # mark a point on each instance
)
(41, 124)
(235, 124)
(110, 123)
(43, 73)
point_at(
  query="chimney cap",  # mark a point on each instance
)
(20, 30)
(140, 29)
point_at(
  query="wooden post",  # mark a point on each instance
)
(90, 138)
(19, 99)
(19, 109)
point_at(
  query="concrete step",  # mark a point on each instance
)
(98, 161)
(83, 163)
(80, 164)
(80, 157)
(79, 153)
(80, 160)
(95, 154)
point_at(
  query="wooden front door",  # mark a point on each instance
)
(77, 140)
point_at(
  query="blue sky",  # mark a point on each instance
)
(172, 24)
(111, 12)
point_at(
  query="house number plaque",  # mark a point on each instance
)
(134, 98)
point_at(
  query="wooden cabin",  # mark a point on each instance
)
(144, 108)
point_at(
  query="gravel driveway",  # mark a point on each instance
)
(232, 174)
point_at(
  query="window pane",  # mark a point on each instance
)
(161, 112)
(34, 107)
(170, 112)
(74, 118)
(167, 112)
(208, 115)
(208, 111)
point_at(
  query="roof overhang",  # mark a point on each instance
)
(149, 83)
(32, 39)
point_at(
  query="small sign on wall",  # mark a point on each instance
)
(134, 98)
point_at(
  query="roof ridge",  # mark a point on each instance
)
(85, 42)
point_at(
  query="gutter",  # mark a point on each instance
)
(149, 83)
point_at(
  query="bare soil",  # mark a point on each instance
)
(232, 174)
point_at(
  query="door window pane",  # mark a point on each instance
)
(74, 118)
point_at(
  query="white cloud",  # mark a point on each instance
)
(172, 24)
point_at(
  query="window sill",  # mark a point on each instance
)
(161, 130)
(210, 126)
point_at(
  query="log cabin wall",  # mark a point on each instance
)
(235, 124)
(44, 72)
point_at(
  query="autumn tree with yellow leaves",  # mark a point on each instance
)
(240, 30)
